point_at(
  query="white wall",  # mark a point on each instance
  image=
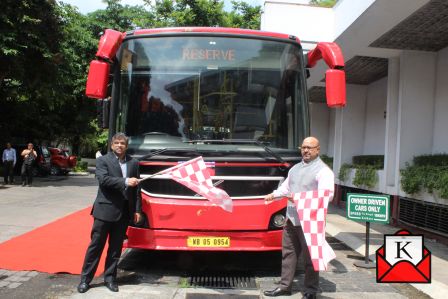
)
(346, 12)
(352, 141)
(416, 105)
(320, 117)
(308, 23)
(441, 104)
(375, 122)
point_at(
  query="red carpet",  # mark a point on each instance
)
(57, 247)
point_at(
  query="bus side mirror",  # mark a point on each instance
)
(96, 86)
(335, 88)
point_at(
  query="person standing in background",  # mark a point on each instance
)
(9, 159)
(29, 155)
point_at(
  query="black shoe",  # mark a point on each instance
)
(309, 296)
(277, 292)
(113, 286)
(83, 287)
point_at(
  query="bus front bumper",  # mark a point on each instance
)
(159, 239)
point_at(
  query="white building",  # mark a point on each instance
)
(396, 55)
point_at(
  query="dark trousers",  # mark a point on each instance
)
(9, 172)
(293, 243)
(27, 174)
(100, 231)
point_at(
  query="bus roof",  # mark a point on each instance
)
(219, 30)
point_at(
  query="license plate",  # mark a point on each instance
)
(208, 242)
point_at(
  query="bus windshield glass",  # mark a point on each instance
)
(211, 88)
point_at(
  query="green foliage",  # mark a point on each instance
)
(324, 3)
(366, 167)
(410, 179)
(375, 161)
(167, 13)
(244, 15)
(101, 140)
(434, 160)
(81, 166)
(327, 160)
(429, 173)
(184, 283)
(365, 176)
(343, 172)
(29, 50)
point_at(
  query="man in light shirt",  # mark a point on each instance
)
(9, 159)
(310, 174)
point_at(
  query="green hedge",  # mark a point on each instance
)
(376, 161)
(437, 160)
(429, 172)
(366, 167)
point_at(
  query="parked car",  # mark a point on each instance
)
(61, 161)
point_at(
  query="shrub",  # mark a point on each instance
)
(375, 161)
(429, 172)
(366, 166)
(81, 166)
(343, 172)
(365, 176)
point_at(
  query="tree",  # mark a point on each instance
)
(245, 16)
(29, 48)
(204, 13)
(324, 3)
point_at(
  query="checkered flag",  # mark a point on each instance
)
(194, 175)
(312, 209)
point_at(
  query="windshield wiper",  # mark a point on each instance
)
(154, 153)
(268, 150)
(243, 141)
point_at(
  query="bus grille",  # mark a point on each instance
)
(235, 188)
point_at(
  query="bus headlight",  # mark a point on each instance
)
(278, 220)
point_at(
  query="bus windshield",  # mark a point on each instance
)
(209, 88)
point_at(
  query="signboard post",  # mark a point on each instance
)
(368, 208)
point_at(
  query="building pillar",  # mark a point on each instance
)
(390, 153)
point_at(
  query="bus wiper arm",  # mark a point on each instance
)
(268, 150)
(154, 153)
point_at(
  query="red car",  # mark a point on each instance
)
(61, 161)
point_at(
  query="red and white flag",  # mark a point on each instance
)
(312, 209)
(194, 175)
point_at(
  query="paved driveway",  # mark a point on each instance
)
(25, 208)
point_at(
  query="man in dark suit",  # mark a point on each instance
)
(117, 202)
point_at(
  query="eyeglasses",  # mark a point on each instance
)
(303, 148)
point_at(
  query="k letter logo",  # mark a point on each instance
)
(403, 258)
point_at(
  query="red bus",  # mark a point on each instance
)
(236, 97)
